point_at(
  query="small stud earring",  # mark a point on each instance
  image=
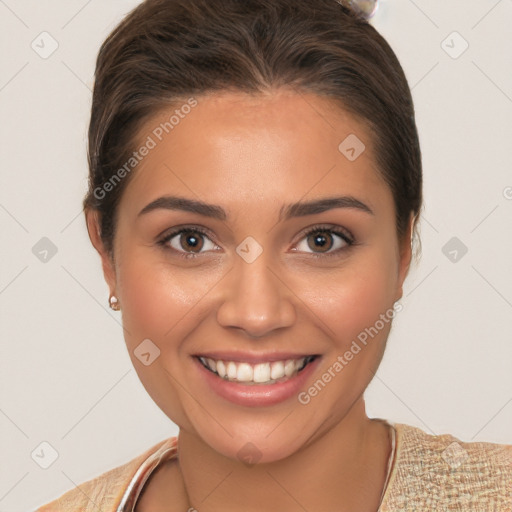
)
(114, 303)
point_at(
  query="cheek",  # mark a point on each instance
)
(354, 299)
(155, 300)
(158, 305)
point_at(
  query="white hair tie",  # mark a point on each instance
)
(365, 8)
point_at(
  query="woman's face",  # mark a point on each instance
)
(252, 288)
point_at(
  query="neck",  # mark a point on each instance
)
(343, 468)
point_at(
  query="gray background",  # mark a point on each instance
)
(66, 378)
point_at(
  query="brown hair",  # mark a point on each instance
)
(166, 51)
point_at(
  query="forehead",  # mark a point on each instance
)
(238, 148)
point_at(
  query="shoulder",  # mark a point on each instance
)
(106, 490)
(441, 471)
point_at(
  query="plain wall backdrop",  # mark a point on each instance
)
(66, 378)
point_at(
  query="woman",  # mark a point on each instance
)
(255, 183)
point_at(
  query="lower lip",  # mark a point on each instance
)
(257, 395)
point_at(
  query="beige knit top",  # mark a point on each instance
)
(428, 473)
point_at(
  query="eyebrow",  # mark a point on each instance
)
(286, 212)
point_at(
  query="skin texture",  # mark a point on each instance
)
(252, 155)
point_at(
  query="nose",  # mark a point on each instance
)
(255, 299)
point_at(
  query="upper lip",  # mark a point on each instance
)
(253, 357)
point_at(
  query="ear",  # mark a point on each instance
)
(405, 252)
(94, 229)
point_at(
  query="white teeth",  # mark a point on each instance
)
(277, 370)
(289, 367)
(260, 373)
(212, 365)
(231, 369)
(244, 372)
(221, 369)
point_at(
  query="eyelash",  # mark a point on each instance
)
(344, 235)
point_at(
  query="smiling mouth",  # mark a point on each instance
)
(256, 374)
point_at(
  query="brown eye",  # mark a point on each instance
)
(326, 241)
(320, 241)
(191, 241)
